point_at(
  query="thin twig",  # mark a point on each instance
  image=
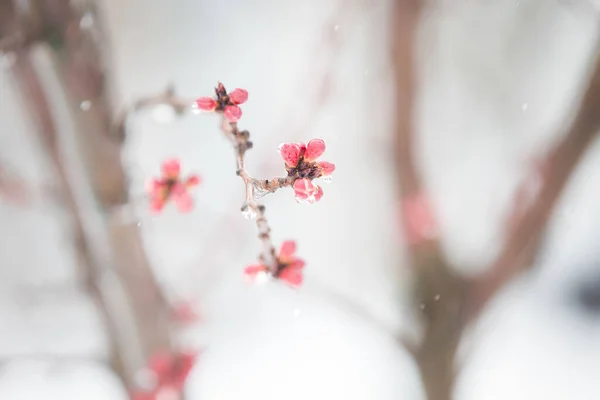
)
(241, 143)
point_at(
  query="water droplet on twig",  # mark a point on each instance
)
(259, 193)
(248, 212)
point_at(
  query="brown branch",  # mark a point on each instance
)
(111, 252)
(461, 300)
(439, 291)
(168, 98)
(241, 143)
(91, 268)
(523, 242)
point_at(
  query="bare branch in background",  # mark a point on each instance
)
(449, 302)
(110, 251)
(523, 241)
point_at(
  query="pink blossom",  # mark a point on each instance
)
(306, 191)
(206, 104)
(301, 162)
(289, 267)
(171, 371)
(171, 186)
(226, 103)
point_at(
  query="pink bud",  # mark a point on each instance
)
(171, 168)
(193, 180)
(319, 193)
(327, 168)
(232, 113)
(314, 149)
(206, 103)
(288, 248)
(304, 189)
(238, 96)
(290, 154)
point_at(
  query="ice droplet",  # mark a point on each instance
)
(437, 297)
(327, 179)
(259, 193)
(261, 278)
(195, 109)
(525, 106)
(248, 212)
(85, 105)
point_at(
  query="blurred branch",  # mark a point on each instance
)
(440, 292)
(461, 300)
(110, 251)
(31, 88)
(168, 98)
(524, 239)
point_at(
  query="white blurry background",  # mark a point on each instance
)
(498, 81)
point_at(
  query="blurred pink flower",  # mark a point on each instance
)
(171, 186)
(171, 372)
(289, 267)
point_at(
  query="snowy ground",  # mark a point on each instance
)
(498, 80)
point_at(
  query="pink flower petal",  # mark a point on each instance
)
(171, 168)
(251, 271)
(182, 198)
(286, 253)
(319, 193)
(238, 96)
(161, 363)
(192, 180)
(314, 149)
(291, 276)
(290, 154)
(327, 168)
(297, 263)
(206, 104)
(157, 204)
(232, 113)
(304, 189)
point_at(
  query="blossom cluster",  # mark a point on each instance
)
(301, 163)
